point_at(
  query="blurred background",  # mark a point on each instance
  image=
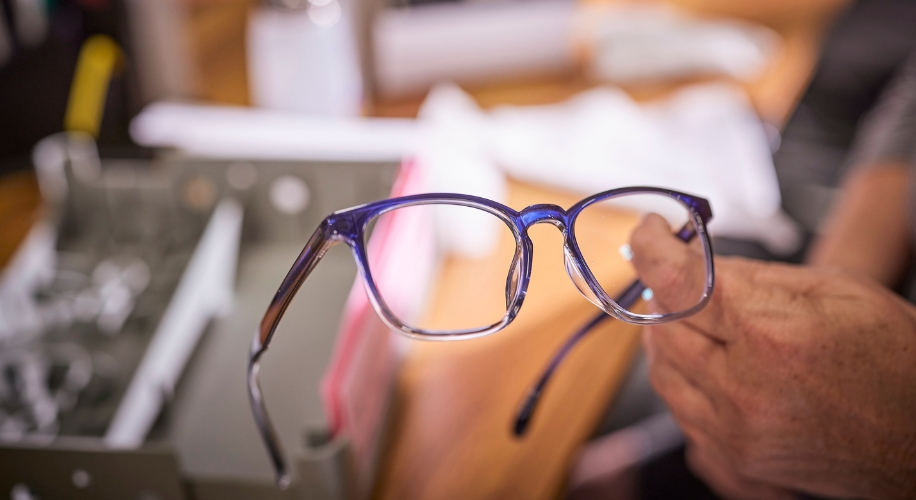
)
(162, 162)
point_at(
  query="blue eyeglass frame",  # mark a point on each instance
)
(349, 225)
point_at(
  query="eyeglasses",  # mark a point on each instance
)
(597, 256)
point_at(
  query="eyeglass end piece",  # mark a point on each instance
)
(521, 426)
(525, 412)
(283, 481)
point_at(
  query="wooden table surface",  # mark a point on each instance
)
(800, 26)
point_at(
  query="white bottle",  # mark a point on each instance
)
(305, 60)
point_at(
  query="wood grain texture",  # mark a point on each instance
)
(215, 31)
(457, 400)
(774, 93)
(20, 205)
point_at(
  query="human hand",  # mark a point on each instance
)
(791, 379)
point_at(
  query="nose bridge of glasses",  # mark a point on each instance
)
(579, 280)
(544, 213)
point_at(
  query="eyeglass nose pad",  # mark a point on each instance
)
(573, 271)
(512, 282)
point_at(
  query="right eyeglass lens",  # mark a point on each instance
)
(413, 249)
(604, 232)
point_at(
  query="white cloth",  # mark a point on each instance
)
(704, 140)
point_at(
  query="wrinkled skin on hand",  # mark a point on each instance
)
(792, 379)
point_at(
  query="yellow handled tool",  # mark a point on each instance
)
(100, 56)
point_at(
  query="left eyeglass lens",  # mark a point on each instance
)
(414, 249)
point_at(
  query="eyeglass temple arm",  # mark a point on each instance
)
(624, 300)
(314, 250)
(526, 411)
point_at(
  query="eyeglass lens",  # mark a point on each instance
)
(605, 235)
(477, 250)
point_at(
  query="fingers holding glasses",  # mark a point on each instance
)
(685, 391)
(679, 356)
(694, 406)
(674, 270)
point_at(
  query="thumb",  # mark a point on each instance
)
(673, 269)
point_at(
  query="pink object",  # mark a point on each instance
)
(358, 385)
